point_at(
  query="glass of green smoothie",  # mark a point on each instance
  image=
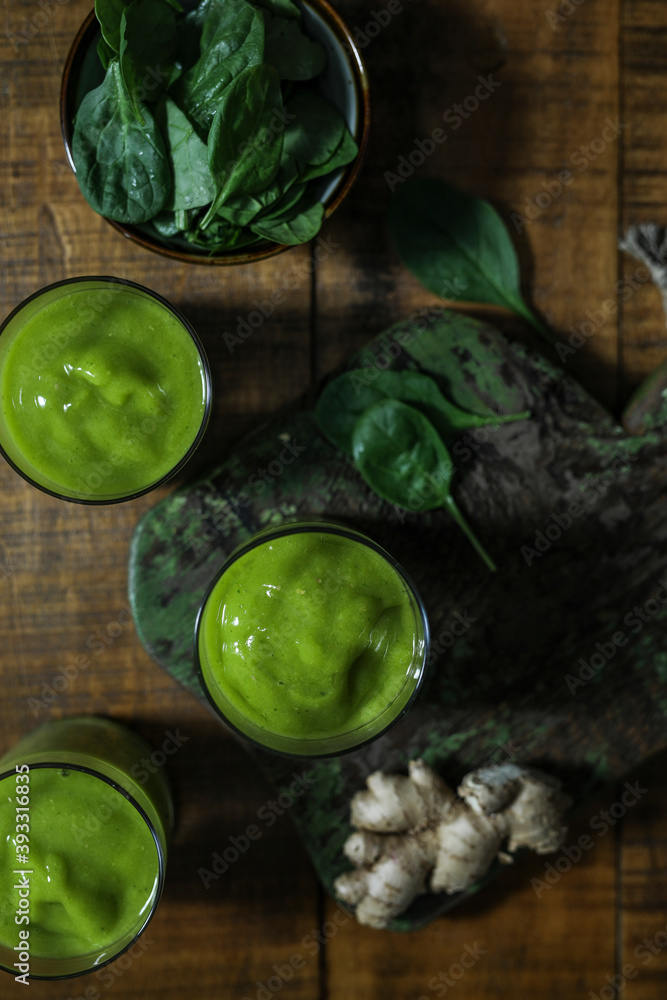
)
(83, 847)
(105, 390)
(312, 640)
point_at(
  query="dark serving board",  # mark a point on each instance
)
(513, 676)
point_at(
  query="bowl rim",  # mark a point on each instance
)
(264, 249)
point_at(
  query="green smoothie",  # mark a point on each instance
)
(311, 635)
(103, 390)
(93, 862)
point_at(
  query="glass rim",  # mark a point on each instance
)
(161, 868)
(207, 379)
(334, 528)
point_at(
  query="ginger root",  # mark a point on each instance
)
(414, 834)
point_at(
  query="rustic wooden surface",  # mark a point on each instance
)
(63, 567)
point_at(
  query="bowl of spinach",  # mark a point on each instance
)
(215, 131)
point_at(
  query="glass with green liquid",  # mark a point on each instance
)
(105, 390)
(312, 640)
(83, 847)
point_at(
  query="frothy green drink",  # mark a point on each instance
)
(104, 389)
(83, 846)
(93, 865)
(312, 641)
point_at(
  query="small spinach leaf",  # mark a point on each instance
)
(315, 128)
(344, 153)
(292, 53)
(292, 227)
(109, 13)
(400, 455)
(193, 184)
(340, 405)
(279, 8)
(444, 235)
(344, 400)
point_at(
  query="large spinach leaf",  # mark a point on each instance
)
(402, 458)
(452, 240)
(243, 150)
(147, 51)
(121, 166)
(232, 41)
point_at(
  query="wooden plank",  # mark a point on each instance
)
(642, 963)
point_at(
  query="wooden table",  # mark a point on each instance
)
(577, 89)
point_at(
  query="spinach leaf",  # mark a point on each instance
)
(344, 153)
(400, 455)
(292, 227)
(105, 54)
(292, 53)
(221, 235)
(193, 184)
(424, 394)
(315, 130)
(109, 13)
(243, 150)
(121, 166)
(167, 223)
(344, 400)
(242, 209)
(443, 235)
(340, 405)
(232, 40)
(279, 8)
(147, 50)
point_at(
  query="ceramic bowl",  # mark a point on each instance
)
(344, 82)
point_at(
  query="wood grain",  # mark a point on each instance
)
(63, 568)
